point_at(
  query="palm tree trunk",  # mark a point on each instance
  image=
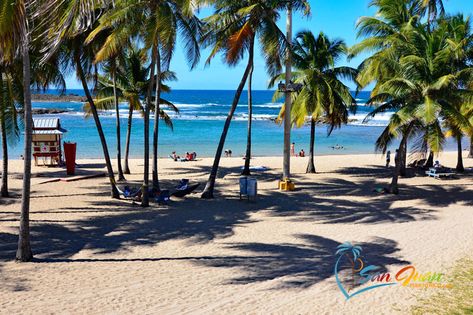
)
(128, 137)
(470, 154)
(149, 103)
(246, 168)
(311, 166)
(430, 160)
(208, 192)
(156, 121)
(402, 171)
(24, 252)
(117, 113)
(288, 100)
(4, 190)
(98, 125)
(459, 167)
(394, 189)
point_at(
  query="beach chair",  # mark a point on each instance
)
(182, 184)
(129, 192)
(185, 190)
(439, 173)
(163, 197)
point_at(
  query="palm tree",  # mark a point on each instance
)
(113, 71)
(324, 97)
(164, 19)
(232, 30)
(458, 53)
(434, 8)
(15, 42)
(130, 86)
(72, 23)
(424, 89)
(10, 95)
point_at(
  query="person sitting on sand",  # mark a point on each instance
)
(302, 153)
(174, 156)
(437, 164)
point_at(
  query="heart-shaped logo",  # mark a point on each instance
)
(343, 251)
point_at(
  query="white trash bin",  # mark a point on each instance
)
(251, 187)
(243, 185)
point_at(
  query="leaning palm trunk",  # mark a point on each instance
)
(246, 168)
(402, 171)
(4, 190)
(430, 160)
(127, 144)
(24, 252)
(149, 103)
(98, 125)
(394, 189)
(459, 167)
(117, 112)
(208, 192)
(470, 154)
(311, 165)
(156, 122)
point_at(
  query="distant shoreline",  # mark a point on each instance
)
(58, 98)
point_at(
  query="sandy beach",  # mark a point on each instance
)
(95, 255)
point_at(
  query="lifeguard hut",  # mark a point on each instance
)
(47, 138)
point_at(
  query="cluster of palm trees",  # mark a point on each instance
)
(421, 68)
(121, 52)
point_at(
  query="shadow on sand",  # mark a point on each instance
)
(116, 225)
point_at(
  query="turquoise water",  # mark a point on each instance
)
(199, 124)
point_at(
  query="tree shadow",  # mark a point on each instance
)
(338, 200)
(298, 265)
(121, 225)
(60, 171)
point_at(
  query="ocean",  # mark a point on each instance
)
(199, 123)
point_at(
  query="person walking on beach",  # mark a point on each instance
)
(388, 158)
(293, 145)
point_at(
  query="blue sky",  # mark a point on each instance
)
(336, 18)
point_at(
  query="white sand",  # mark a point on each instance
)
(275, 255)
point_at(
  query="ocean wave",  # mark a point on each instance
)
(269, 105)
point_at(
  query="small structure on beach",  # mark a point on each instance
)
(47, 138)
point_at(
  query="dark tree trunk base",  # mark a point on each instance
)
(115, 193)
(310, 169)
(207, 194)
(25, 255)
(246, 172)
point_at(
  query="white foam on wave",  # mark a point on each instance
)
(269, 105)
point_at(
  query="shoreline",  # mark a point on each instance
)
(72, 98)
(162, 158)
